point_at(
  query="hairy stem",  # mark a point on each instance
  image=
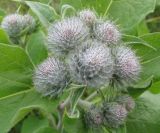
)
(93, 95)
(84, 104)
(61, 109)
(51, 120)
(60, 122)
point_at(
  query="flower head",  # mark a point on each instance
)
(114, 114)
(107, 32)
(51, 77)
(87, 16)
(94, 117)
(13, 24)
(127, 66)
(127, 101)
(65, 35)
(91, 64)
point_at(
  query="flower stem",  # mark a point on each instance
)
(61, 109)
(93, 95)
(84, 104)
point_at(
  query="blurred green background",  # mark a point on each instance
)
(151, 24)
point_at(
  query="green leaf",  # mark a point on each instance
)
(76, 4)
(99, 5)
(130, 39)
(15, 70)
(150, 57)
(45, 13)
(22, 103)
(4, 38)
(138, 89)
(129, 13)
(36, 47)
(142, 28)
(155, 88)
(74, 125)
(46, 130)
(145, 117)
(34, 123)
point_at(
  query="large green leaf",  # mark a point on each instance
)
(158, 2)
(138, 89)
(74, 125)
(45, 13)
(34, 123)
(36, 47)
(10, 106)
(15, 70)
(150, 57)
(4, 38)
(128, 13)
(46, 130)
(148, 49)
(145, 117)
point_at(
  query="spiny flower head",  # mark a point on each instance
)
(91, 64)
(13, 24)
(127, 101)
(114, 114)
(66, 34)
(127, 66)
(94, 117)
(107, 32)
(29, 22)
(51, 77)
(87, 16)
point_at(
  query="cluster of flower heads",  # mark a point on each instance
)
(110, 114)
(87, 50)
(15, 24)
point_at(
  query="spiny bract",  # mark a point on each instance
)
(127, 66)
(127, 101)
(87, 16)
(65, 35)
(107, 32)
(91, 64)
(51, 77)
(114, 114)
(94, 117)
(13, 24)
(29, 22)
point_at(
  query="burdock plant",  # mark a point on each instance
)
(88, 59)
(87, 65)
